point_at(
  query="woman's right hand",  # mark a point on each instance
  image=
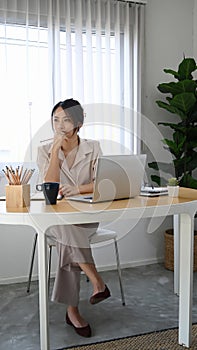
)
(57, 141)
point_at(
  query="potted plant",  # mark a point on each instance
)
(181, 101)
(173, 187)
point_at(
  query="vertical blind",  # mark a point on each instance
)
(51, 50)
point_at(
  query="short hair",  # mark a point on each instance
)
(73, 108)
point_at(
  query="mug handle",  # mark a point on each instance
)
(39, 187)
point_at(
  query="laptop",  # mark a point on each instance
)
(117, 177)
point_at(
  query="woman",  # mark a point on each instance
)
(71, 161)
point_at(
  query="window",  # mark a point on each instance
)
(52, 50)
(24, 88)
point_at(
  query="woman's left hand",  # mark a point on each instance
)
(68, 190)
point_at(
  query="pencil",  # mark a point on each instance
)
(7, 176)
(10, 171)
(23, 177)
(30, 175)
(18, 176)
(46, 140)
(20, 173)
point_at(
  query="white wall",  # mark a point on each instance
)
(169, 34)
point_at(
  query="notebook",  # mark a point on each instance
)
(117, 177)
(152, 191)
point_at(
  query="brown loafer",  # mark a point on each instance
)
(97, 298)
(82, 331)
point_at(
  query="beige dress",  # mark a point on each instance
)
(72, 241)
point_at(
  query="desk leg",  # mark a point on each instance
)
(43, 292)
(176, 225)
(186, 279)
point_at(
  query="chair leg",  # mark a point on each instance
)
(32, 263)
(49, 266)
(119, 271)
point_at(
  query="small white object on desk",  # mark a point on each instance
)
(173, 191)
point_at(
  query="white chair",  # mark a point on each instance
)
(101, 235)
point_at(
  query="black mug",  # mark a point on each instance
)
(50, 190)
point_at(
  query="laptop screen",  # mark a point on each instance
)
(118, 177)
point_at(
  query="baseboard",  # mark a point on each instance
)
(132, 264)
(22, 279)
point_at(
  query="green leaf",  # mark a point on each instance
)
(178, 168)
(192, 133)
(180, 139)
(180, 164)
(160, 181)
(193, 115)
(171, 109)
(173, 148)
(184, 101)
(178, 87)
(173, 72)
(168, 99)
(188, 181)
(186, 67)
(177, 127)
(156, 179)
(161, 166)
(192, 144)
(153, 165)
(188, 162)
(166, 106)
(186, 86)
(191, 161)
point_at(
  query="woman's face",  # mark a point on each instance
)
(62, 123)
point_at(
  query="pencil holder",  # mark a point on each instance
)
(17, 196)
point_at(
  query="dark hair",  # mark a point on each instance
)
(74, 110)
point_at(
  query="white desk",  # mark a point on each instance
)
(40, 217)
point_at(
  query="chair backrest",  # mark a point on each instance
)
(102, 235)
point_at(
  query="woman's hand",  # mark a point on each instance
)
(68, 190)
(58, 140)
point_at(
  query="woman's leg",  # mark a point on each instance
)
(67, 282)
(66, 290)
(93, 275)
(75, 317)
(66, 287)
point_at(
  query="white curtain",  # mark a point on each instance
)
(90, 50)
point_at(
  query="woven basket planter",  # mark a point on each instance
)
(169, 250)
